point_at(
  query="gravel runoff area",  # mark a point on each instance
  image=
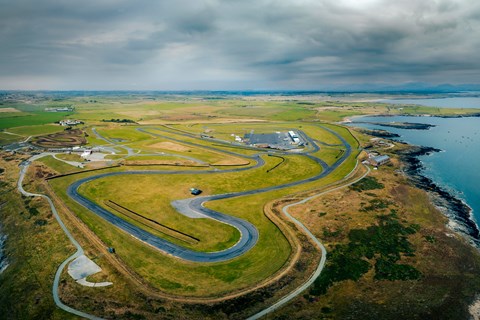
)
(248, 232)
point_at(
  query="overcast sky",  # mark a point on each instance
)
(236, 44)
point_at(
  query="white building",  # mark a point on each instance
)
(69, 122)
(86, 153)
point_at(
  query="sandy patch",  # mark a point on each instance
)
(166, 145)
(9, 110)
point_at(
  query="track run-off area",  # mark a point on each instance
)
(248, 232)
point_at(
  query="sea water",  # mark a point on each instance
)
(457, 168)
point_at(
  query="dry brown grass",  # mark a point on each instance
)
(2, 110)
(161, 162)
(172, 146)
(231, 162)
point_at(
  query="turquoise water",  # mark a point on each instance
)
(457, 168)
(454, 102)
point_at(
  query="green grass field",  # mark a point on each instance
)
(181, 277)
(162, 189)
(6, 138)
(70, 157)
(31, 119)
(58, 166)
(36, 129)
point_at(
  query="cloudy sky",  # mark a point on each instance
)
(236, 44)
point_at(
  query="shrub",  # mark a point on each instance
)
(367, 183)
(384, 243)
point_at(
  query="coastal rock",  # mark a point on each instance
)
(470, 115)
(379, 133)
(3, 258)
(456, 210)
(402, 125)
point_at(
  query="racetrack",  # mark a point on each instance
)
(248, 232)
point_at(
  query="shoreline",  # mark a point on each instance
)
(400, 125)
(3, 257)
(456, 210)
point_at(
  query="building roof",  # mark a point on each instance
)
(381, 158)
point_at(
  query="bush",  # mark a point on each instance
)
(376, 204)
(387, 270)
(33, 211)
(384, 242)
(367, 183)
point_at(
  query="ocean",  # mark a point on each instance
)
(457, 168)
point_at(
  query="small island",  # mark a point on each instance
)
(401, 125)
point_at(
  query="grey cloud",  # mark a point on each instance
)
(250, 44)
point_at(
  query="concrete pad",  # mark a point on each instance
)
(82, 267)
(86, 283)
(96, 156)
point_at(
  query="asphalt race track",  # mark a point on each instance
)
(248, 232)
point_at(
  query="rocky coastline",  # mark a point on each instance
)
(3, 258)
(458, 212)
(379, 133)
(401, 125)
(468, 115)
